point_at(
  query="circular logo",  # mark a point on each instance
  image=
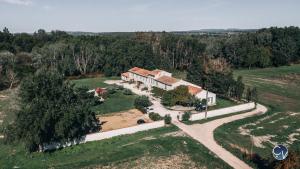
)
(280, 152)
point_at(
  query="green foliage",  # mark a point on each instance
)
(179, 96)
(52, 111)
(251, 94)
(154, 116)
(186, 116)
(157, 92)
(141, 103)
(112, 55)
(167, 119)
(127, 92)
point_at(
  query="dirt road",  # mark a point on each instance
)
(204, 133)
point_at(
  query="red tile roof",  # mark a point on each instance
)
(194, 90)
(167, 80)
(140, 71)
(154, 72)
(126, 74)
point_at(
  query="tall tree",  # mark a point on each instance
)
(52, 111)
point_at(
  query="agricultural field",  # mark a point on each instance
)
(279, 89)
(115, 102)
(159, 148)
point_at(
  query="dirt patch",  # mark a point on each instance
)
(176, 134)
(280, 100)
(243, 150)
(291, 78)
(122, 119)
(292, 137)
(3, 96)
(259, 140)
(110, 82)
(179, 161)
(273, 81)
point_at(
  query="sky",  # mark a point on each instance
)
(146, 15)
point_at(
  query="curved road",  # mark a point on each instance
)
(204, 133)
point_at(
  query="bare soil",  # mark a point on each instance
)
(122, 119)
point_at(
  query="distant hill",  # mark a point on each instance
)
(199, 32)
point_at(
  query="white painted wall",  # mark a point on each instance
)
(220, 112)
(108, 134)
(128, 130)
(211, 97)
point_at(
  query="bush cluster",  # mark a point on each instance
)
(154, 116)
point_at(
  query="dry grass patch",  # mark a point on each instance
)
(179, 161)
(122, 119)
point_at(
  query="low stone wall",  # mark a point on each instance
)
(107, 134)
(223, 111)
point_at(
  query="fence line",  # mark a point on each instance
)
(107, 134)
(223, 111)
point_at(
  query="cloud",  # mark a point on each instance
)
(47, 7)
(18, 2)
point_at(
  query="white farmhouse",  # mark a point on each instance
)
(164, 80)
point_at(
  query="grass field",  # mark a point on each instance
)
(115, 102)
(158, 148)
(93, 83)
(222, 103)
(279, 89)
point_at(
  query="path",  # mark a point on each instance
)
(204, 133)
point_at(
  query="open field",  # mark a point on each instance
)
(122, 119)
(93, 83)
(115, 102)
(278, 88)
(159, 148)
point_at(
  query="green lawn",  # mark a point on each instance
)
(115, 103)
(123, 151)
(222, 103)
(279, 89)
(93, 83)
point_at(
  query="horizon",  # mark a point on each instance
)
(143, 16)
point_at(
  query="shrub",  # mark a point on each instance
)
(167, 119)
(157, 92)
(178, 96)
(120, 87)
(154, 116)
(127, 92)
(144, 88)
(111, 89)
(186, 116)
(141, 103)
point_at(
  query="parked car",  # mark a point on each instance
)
(140, 121)
(200, 107)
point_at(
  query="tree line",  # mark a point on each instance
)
(23, 53)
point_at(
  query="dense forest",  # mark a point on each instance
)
(23, 53)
